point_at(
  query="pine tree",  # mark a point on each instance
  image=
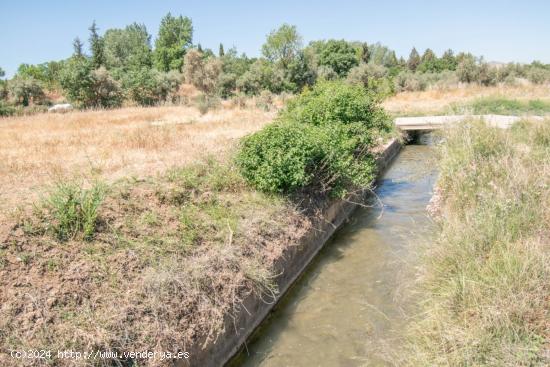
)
(77, 47)
(221, 51)
(96, 46)
(414, 60)
(428, 56)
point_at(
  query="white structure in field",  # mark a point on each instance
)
(64, 107)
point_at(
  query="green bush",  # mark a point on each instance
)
(206, 103)
(148, 87)
(279, 158)
(6, 110)
(337, 102)
(322, 140)
(538, 75)
(71, 209)
(88, 87)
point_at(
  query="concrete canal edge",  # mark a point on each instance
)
(290, 266)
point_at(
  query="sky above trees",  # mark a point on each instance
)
(35, 31)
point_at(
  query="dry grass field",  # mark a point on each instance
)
(44, 148)
(441, 101)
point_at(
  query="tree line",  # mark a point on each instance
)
(123, 66)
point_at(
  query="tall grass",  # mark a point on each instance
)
(72, 209)
(487, 279)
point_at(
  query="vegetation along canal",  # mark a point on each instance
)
(350, 304)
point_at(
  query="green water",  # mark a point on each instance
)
(350, 306)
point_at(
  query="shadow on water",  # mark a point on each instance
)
(351, 296)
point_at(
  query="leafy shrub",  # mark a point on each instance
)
(205, 103)
(321, 140)
(71, 209)
(239, 100)
(148, 86)
(373, 77)
(337, 102)
(6, 110)
(88, 87)
(261, 76)
(168, 84)
(265, 100)
(227, 83)
(279, 158)
(407, 81)
(538, 75)
(326, 73)
(106, 91)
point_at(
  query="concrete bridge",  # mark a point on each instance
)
(438, 122)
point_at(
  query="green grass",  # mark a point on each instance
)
(70, 210)
(487, 278)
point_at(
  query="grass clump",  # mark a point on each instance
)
(321, 140)
(487, 278)
(71, 209)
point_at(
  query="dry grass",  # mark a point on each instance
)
(486, 280)
(440, 101)
(39, 149)
(170, 259)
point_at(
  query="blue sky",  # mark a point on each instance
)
(37, 31)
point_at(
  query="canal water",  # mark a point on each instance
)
(351, 304)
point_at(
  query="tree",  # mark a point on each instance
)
(2, 73)
(202, 73)
(390, 60)
(414, 60)
(128, 48)
(365, 52)
(96, 47)
(448, 60)
(299, 74)
(429, 63)
(338, 55)
(25, 90)
(77, 47)
(262, 75)
(221, 51)
(282, 45)
(428, 56)
(89, 87)
(76, 80)
(382, 55)
(174, 38)
(467, 69)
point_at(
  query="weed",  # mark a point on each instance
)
(71, 209)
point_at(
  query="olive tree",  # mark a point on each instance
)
(26, 90)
